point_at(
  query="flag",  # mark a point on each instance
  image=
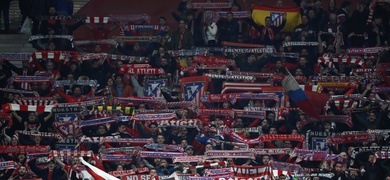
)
(97, 173)
(298, 96)
(193, 88)
(293, 16)
(153, 86)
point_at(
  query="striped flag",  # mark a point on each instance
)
(7, 165)
(97, 20)
(193, 88)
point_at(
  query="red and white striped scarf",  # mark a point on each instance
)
(270, 31)
(213, 154)
(56, 55)
(24, 149)
(70, 153)
(38, 101)
(32, 108)
(163, 155)
(128, 172)
(97, 20)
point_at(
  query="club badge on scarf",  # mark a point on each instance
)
(194, 87)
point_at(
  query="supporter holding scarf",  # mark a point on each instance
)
(182, 38)
(269, 31)
(51, 172)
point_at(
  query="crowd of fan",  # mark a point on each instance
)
(340, 29)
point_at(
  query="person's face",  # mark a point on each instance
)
(265, 160)
(273, 131)
(294, 131)
(311, 14)
(268, 22)
(122, 128)
(350, 149)
(118, 80)
(229, 17)
(264, 123)
(182, 24)
(371, 158)
(98, 48)
(287, 144)
(51, 46)
(251, 59)
(378, 21)
(302, 61)
(163, 163)
(52, 11)
(110, 82)
(44, 85)
(153, 172)
(278, 64)
(298, 72)
(160, 139)
(162, 21)
(21, 157)
(51, 165)
(230, 161)
(305, 20)
(70, 77)
(50, 66)
(218, 122)
(208, 147)
(37, 139)
(298, 126)
(190, 152)
(153, 128)
(119, 168)
(14, 141)
(332, 18)
(136, 46)
(22, 171)
(11, 97)
(327, 126)
(324, 165)
(190, 17)
(77, 92)
(339, 167)
(226, 105)
(372, 117)
(76, 161)
(279, 3)
(183, 131)
(163, 62)
(271, 116)
(343, 155)
(354, 173)
(304, 53)
(32, 117)
(184, 143)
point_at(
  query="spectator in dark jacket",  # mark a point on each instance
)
(229, 29)
(50, 172)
